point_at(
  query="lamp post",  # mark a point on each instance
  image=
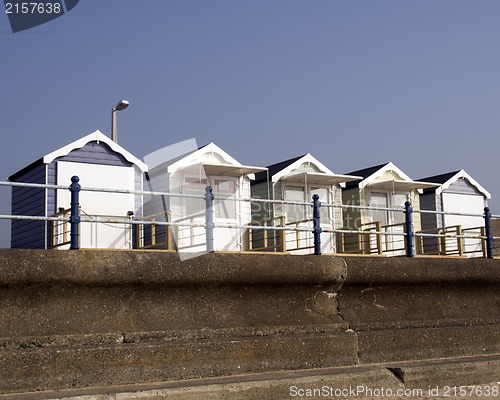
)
(122, 105)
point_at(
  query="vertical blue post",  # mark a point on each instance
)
(74, 218)
(317, 227)
(409, 229)
(209, 218)
(489, 236)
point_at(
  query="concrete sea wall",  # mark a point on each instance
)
(78, 319)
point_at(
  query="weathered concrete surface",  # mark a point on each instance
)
(423, 380)
(85, 292)
(77, 319)
(406, 309)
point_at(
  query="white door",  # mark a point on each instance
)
(326, 223)
(188, 212)
(378, 202)
(227, 212)
(391, 222)
(397, 220)
(191, 238)
(297, 218)
(469, 204)
(100, 205)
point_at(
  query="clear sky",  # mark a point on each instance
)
(355, 83)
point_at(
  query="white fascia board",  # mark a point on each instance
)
(307, 158)
(387, 167)
(99, 137)
(463, 174)
(196, 158)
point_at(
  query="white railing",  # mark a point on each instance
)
(271, 234)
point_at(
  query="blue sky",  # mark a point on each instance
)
(355, 83)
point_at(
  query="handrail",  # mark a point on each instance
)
(364, 232)
(242, 199)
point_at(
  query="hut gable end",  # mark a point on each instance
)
(96, 153)
(389, 175)
(458, 182)
(463, 186)
(306, 167)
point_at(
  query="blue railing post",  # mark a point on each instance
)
(74, 218)
(409, 229)
(317, 227)
(489, 236)
(209, 218)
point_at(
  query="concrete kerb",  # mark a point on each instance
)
(418, 379)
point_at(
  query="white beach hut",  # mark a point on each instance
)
(188, 175)
(297, 180)
(99, 162)
(457, 192)
(382, 186)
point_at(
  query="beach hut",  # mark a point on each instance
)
(186, 177)
(296, 180)
(382, 186)
(99, 162)
(457, 192)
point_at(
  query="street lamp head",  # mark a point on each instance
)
(122, 105)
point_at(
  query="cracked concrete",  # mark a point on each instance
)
(349, 329)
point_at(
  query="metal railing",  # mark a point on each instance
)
(270, 234)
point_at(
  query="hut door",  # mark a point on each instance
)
(226, 188)
(381, 216)
(295, 212)
(327, 238)
(379, 200)
(398, 201)
(227, 211)
(323, 198)
(296, 218)
(392, 222)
